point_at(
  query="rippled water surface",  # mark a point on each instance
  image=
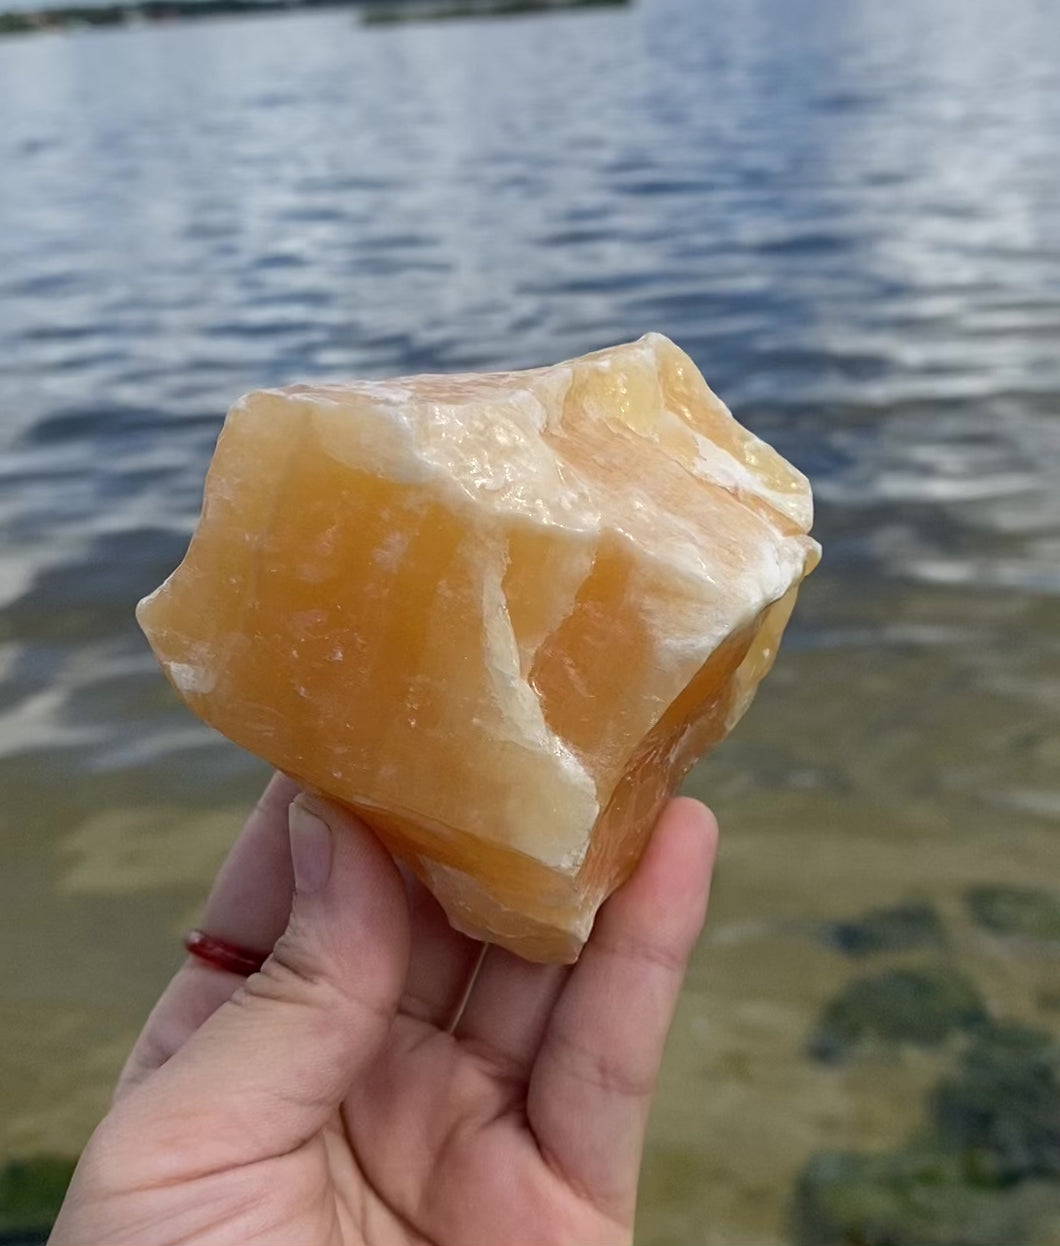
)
(847, 212)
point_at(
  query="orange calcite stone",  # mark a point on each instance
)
(499, 616)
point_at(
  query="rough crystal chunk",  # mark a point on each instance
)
(499, 616)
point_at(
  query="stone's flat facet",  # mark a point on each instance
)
(499, 616)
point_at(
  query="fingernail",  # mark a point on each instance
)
(310, 848)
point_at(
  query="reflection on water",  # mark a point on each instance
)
(845, 212)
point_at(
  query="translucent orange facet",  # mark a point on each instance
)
(499, 616)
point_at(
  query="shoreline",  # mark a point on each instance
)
(132, 13)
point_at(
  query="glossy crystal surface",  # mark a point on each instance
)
(498, 615)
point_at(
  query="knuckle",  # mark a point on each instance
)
(298, 974)
(293, 974)
(640, 950)
(599, 1070)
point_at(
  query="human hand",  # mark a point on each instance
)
(324, 1100)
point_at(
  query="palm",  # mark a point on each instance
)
(479, 1174)
(525, 1125)
(345, 1185)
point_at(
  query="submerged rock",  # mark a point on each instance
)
(1029, 912)
(985, 1170)
(922, 1006)
(32, 1189)
(1001, 1109)
(914, 924)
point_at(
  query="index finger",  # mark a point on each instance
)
(594, 1078)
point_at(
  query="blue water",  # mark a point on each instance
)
(847, 212)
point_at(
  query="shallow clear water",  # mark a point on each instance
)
(848, 213)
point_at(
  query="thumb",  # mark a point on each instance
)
(272, 1065)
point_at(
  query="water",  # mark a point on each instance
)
(848, 213)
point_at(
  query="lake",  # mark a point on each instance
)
(847, 212)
